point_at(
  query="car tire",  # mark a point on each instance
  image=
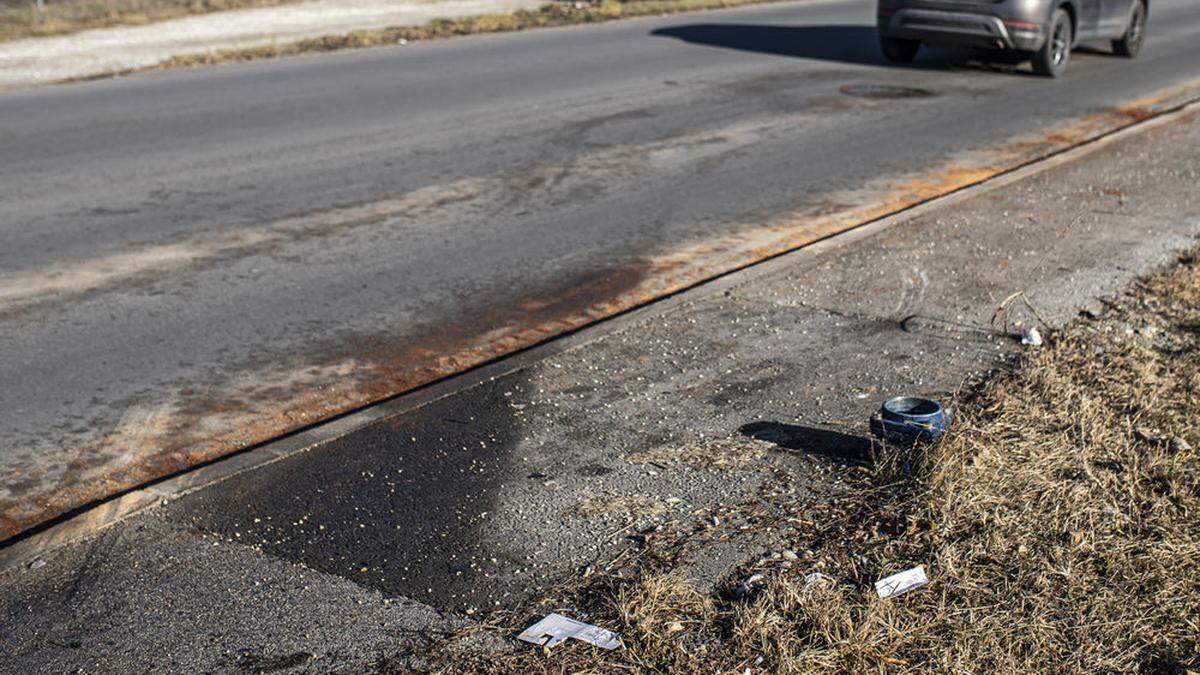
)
(1131, 42)
(898, 50)
(1051, 60)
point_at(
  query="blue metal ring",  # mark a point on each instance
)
(908, 419)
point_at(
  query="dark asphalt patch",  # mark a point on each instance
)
(398, 506)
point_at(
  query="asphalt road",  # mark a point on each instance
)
(195, 261)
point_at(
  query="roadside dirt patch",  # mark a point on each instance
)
(124, 36)
(457, 22)
(21, 19)
(1056, 523)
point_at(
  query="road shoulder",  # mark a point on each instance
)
(503, 492)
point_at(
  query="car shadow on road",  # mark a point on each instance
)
(855, 44)
(812, 441)
(847, 44)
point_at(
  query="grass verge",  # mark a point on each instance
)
(21, 19)
(1057, 522)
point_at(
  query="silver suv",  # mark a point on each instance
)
(1045, 29)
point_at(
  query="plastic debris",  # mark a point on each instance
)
(743, 589)
(1031, 337)
(908, 419)
(555, 628)
(901, 582)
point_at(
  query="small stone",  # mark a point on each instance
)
(790, 555)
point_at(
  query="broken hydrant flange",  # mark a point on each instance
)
(904, 420)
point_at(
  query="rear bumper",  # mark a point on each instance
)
(960, 29)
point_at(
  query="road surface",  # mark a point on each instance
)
(197, 261)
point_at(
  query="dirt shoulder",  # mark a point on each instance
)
(126, 48)
(1056, 524)
(20, 19)
(269, 29)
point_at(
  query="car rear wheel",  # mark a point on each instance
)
(897, 50)
(1131, 42)
(1051, 60)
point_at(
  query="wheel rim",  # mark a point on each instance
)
(1137, 27)
(1060, 44)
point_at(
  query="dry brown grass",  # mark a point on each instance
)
(1058, 525)
(721, 453)
(631, 506)
(19, 18)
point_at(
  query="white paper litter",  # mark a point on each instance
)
(901, 582)
(555, 628)
(1031, 337)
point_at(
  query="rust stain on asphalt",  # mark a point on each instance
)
(148, 443)
(194, 428)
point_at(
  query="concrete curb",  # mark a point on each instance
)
(92, 519)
